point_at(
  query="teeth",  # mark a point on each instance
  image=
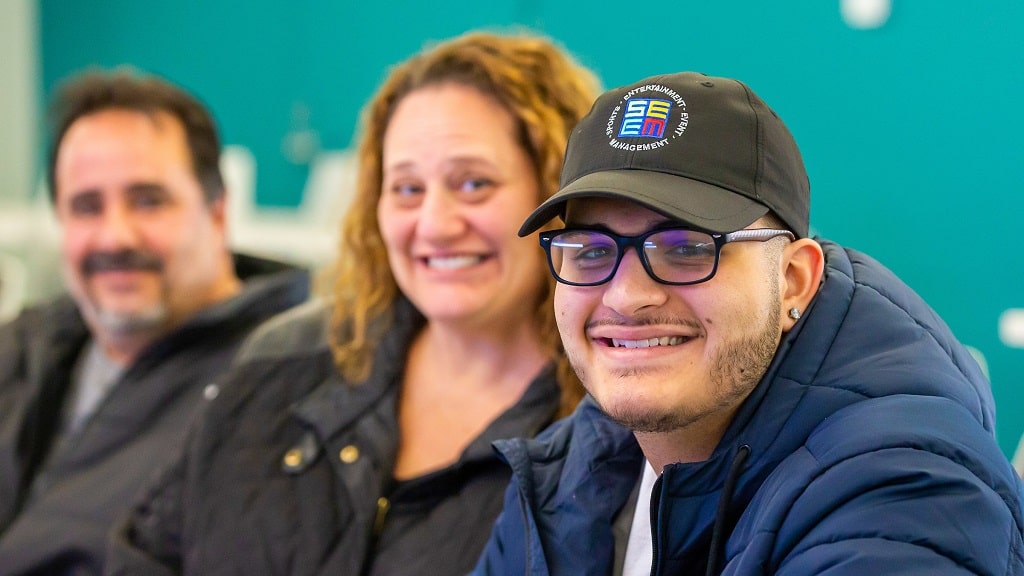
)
(648, 343)
(453, 262)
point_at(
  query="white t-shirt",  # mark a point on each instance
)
(640, 549)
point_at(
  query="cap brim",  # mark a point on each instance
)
(692, 202)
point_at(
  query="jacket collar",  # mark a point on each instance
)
(337, 403)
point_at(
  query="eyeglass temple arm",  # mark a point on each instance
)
(757, 234)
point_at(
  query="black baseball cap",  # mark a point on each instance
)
(703, 150)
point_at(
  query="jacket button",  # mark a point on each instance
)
(293, 458)
(211, 391)
(349, 454)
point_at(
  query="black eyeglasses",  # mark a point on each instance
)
(677, 256)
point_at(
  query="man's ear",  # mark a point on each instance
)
(803, 264)
(219, 209)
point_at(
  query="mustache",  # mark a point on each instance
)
(122, 260)
(662, 320)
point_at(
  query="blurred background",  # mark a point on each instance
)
(907, 113)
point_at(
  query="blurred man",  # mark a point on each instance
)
(97, 389)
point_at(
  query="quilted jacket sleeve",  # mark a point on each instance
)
(869, 495)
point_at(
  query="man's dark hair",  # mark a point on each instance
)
(772, 220)
(123, 89)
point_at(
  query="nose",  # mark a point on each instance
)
(117, 229)
(631, 289)
(440, 215)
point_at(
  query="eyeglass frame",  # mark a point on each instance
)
(637, 243)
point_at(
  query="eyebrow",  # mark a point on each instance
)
(136, 189)
(146, 188)
(79, 196)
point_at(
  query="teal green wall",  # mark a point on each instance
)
(911, 132)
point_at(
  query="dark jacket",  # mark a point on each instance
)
(89, 480)
(289, 472)
(867, 448)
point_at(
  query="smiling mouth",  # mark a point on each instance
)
(648, 342)
(453, 262)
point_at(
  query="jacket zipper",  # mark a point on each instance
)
(656, 517)
(383, 506)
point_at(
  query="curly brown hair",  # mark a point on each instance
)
(544, 89)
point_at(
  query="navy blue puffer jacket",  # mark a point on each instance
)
(866, 449)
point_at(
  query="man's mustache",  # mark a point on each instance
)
(124, 260)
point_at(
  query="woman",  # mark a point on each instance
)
(356, 439)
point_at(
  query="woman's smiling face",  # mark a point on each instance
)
(457, 184)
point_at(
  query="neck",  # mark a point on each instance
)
(123, 350)
(457, 382)
(512, 354)
(694, 442)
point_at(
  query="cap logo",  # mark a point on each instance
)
(647, 118)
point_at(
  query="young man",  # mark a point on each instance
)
(97, 389)
(761, 402)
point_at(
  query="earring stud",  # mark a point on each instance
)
(794, 313)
